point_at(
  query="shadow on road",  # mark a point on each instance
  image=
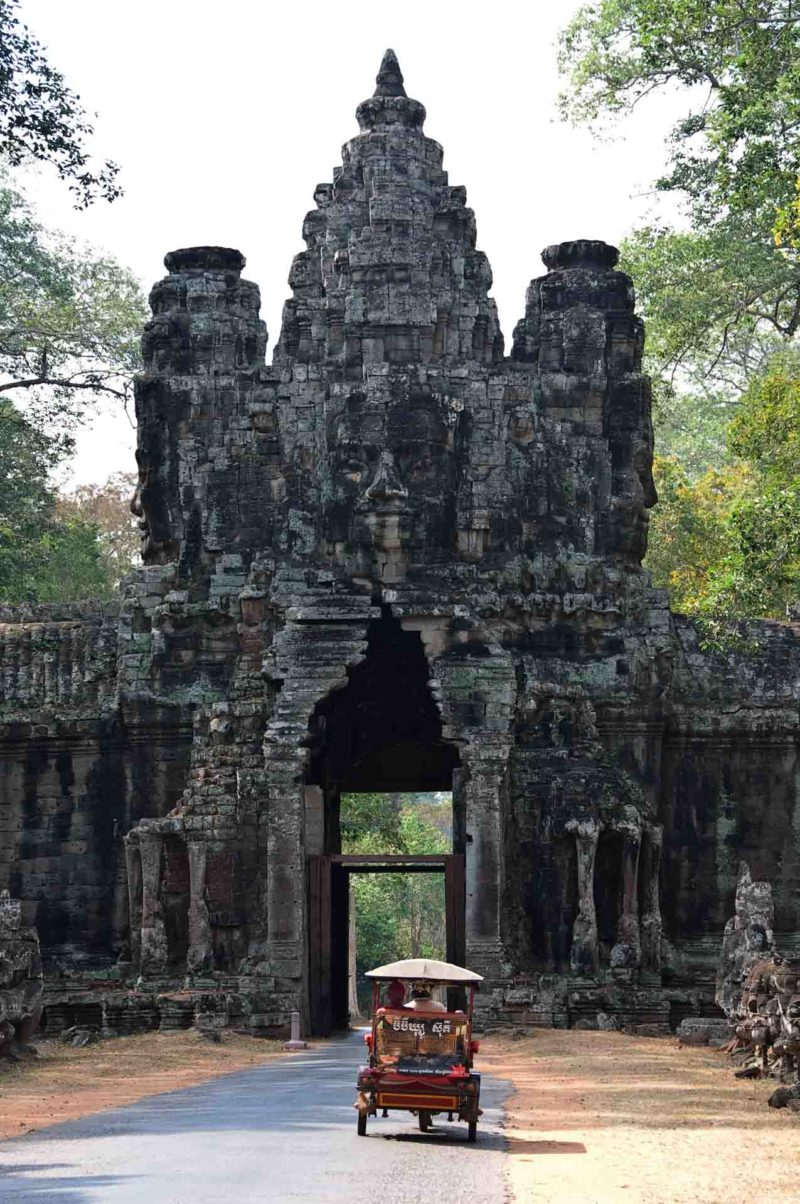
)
(55, 1189)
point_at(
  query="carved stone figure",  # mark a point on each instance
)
(20, 979)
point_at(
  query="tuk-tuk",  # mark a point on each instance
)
(420, 1053)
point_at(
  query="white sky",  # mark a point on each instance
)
(224, 116)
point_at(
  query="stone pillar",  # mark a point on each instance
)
(627, 951)
(200, 956)
(314, 808)
(484, 783)
(286, 888)
(133, 863)
(581, 331)
(154, 936)
(584, 955)
(652, 841)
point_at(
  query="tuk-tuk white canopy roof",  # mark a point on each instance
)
(425, 969)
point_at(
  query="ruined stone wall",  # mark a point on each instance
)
(75, 774)
(729, 781)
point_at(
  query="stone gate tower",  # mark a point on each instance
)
(397, 558)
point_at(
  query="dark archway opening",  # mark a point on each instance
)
(381, 733)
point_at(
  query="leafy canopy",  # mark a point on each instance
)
(721, 298)
(43, 557)
(718, 296)
(43, 119)
(397, 915)
(106, 508)
(736, 148)
(727, 543)
(70, 320)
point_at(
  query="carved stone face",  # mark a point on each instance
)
(355, 439)
(422, 447)
(398, 464)
(629, 519)
(418, 440)
(155, 522)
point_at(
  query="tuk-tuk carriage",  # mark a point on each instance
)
(420, 1053)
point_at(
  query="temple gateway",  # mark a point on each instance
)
(396, 558)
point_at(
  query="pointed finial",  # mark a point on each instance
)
(390, 78)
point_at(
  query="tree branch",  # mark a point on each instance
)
(94, 386)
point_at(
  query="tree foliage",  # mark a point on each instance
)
(70, 320)
(41, 118)
(715, 292)
(43, 557)
(397, 915)
(106, 507)
(718, 303)
(721, 298)
(690, 532)
(735, 150)
(766, 432)
(69, 332)
(727, 542)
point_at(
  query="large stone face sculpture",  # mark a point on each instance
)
(396, 559)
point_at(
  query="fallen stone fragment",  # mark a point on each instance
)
(782, 1096)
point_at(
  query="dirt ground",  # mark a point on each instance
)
(64, 1083)
(603, 1118)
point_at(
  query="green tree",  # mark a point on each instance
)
(70, 320)
(718, 304)
(690, 531)
(722, 298)
(735, 150)
(42, 558)
(719, 295)
(69, 332)
(397, 915)
(41, 118)
(766, 522)
(726, 543)
(106, 507)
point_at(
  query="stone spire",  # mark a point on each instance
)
(392, 273)
(389, 78)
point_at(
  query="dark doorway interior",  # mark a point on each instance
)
(383, 731)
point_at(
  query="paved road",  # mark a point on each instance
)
(285, 1131)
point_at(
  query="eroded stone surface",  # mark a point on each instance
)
(394, 559)
(20, 979)
(748, 939)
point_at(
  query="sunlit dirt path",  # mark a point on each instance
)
(603, 1118)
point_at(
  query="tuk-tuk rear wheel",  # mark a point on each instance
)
(472, 1131)
(362, 1124)
(424, 1121)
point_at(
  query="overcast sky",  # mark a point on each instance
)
(225, 115)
